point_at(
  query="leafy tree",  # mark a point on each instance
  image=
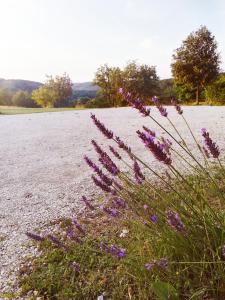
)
(55, 92)
(109, 79)
(196, 63)
(5, 97)
(22, 98)
(215, 92)
(141, 80)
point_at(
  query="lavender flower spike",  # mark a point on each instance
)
(173, 219)
(110, 211)
(56, 241)
(108, 133)
(97, 170)
(114, 152)
(211, 146)
(78, 226)
(177, 106)
(135, 103)
(161, 109)
(35, 237)
(123, 146)
(87, 203)
(156, 149)
(100, 184)
(72, 236)
(137, 173)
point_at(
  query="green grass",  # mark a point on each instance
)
(187, 275)
(7, 110)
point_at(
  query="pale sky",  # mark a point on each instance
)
(40, 37)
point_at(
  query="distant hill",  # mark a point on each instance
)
(82, 89)
(85, 86)
(14, 85)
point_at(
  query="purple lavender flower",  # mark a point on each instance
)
(177, 106)
(162, 263)
(161, 109)
(156, 150)
(113, 250)
(149, 131)
(114, 152)
(206, 152)
(101, 184)
(165, 145)
(108, 181)
(75, 266)
(123, 146)
(87, 203)
(35, 237)
(57, 242)
(78, 226)
(145, 206)
(149, 266)
(135, 103)
(116, 251)
(154, 218)
(137, 173)
(109, 165)
(119, 202)
(111, 211)
(72, 236)
(108, 133)
(173, 219)
(105, 160)
(211, 146)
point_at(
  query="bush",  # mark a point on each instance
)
(155, 239)
(23, 99)
(99, 102)
(215, 92)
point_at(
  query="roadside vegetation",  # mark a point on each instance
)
(151, 235)
(195, 67)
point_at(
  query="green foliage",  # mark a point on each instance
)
(23, 99)
(141, 80)
(5, 97)
(164, 291)
(196, 62)
(54, 93)
(215, 92)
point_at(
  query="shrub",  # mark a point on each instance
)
(23, 99)
(173, 244)
(215, 92)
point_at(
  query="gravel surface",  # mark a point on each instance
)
(42, 173)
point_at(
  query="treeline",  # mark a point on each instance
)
(196, 75)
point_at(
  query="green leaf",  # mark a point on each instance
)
(164, 290)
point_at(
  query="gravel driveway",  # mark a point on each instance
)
(42, 173)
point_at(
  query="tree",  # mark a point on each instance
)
(22, 98)
(55, 92)
(196, 63)
(215, 92)
(140, 80)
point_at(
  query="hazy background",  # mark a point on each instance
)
(41, 37)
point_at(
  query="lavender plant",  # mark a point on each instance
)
(176, 222)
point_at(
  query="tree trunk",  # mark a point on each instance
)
(197, 95)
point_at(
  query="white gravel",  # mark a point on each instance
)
(42, 173)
